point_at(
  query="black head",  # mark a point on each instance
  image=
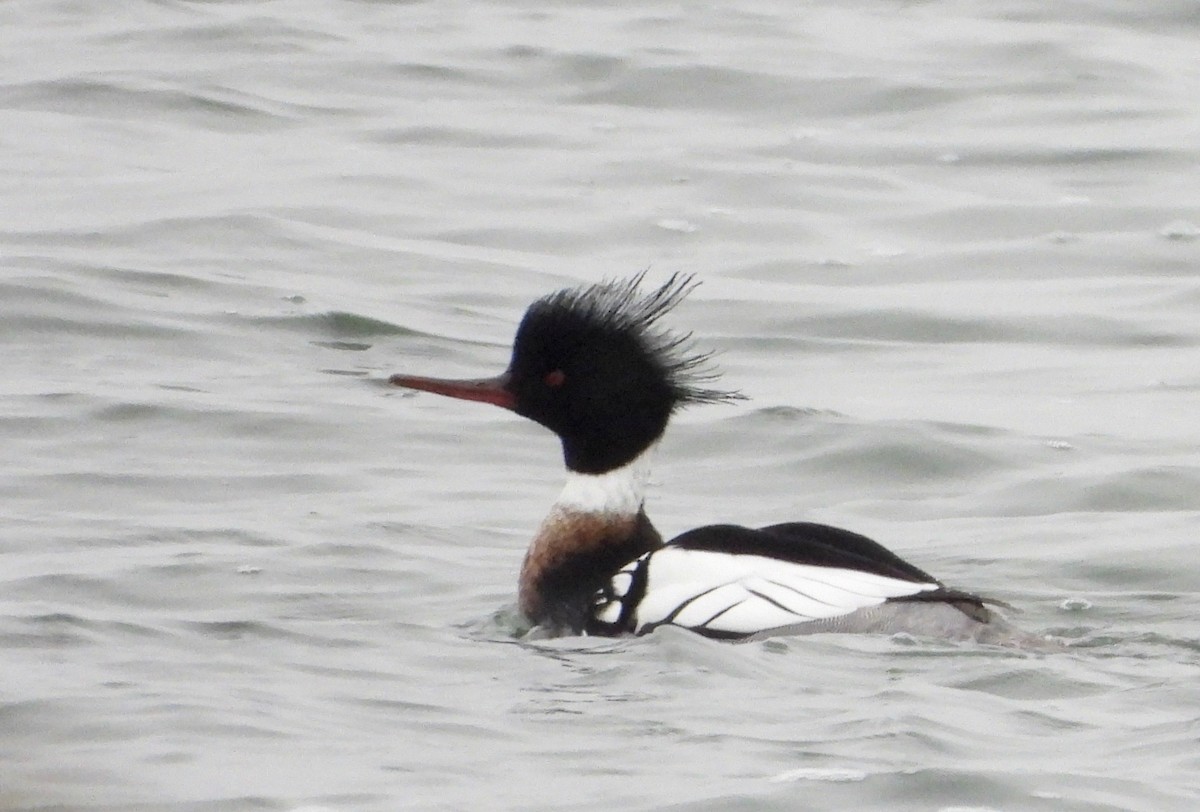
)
(591, 365)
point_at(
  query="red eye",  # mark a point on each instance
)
(554, 379)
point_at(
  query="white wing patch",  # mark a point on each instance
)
(609, 605)
(744, 594)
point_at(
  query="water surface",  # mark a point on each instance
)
(949, 252)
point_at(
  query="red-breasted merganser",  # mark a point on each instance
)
(592, 365)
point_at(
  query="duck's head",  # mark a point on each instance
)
(591, 365)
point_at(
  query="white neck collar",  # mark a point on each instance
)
(618, 492)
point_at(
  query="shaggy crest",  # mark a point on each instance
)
(618, 308)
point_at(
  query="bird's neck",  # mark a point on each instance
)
(596, 525)
(619, 492)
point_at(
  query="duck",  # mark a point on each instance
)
(594, 365)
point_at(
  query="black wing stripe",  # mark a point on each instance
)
(846, 589)
(674, 614)
(718, 614)
(773, 602)
(633, 596)
(806, 596)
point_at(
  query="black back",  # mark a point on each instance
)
(804, 543)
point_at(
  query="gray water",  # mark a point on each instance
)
(948, 249)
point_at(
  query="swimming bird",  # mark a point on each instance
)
(593, 365)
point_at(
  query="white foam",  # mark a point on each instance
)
(835, 774)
